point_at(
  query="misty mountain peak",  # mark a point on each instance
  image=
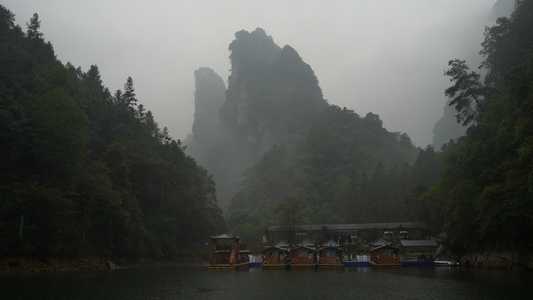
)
(274, 98)
(209, 95)
(253, 46)
(296, 74)
(266, 84)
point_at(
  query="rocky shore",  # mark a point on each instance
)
(33, 265)
(499, 260)
(30, 265)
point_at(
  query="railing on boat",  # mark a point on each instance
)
(223, 247)
(229, 247)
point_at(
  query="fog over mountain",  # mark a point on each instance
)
(446, 127)
(383, 57)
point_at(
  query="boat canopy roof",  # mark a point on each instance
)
(379, 242)
(330, 245)
(224, 236)
(385, 247)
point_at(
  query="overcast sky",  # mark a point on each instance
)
(380, 56)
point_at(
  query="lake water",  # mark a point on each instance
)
(200, 283)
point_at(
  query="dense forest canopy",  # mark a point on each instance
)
(84, 171)
(87, 172)
(343, 168)
(487, 177)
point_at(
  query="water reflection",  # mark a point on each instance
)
(198, 283)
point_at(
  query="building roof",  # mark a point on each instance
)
(418, 243)
(307, 243)
(351, 227)
(385, 247)
(303, 247)
(330, 245)
(223, 236)
(282, 245)
(379, 242)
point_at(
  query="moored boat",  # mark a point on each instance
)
(445, 263)
(303, 255)
(385, 256)
(330, 255)
(228, 253)
(276, 256)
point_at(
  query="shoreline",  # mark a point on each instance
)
(12, 265)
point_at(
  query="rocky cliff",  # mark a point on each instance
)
(209, 96)
(512, 260)
(274, 103)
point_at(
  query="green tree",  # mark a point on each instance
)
(33, 27)
(290, 211)
(59, 125)
(467, 93)
(485, 177)
(90, 174)
(128, 97)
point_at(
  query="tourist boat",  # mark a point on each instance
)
(228, 253)
(330, 255)
(276, 256)
(385, 255)
(445, 263)
(303, 255)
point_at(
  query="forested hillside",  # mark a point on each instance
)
(446, 127)
(486, 186)
(306, 161)
(280, 139)
(87, 172)
(84, 171)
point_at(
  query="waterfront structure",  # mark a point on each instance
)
(385, 255)
(343, 233)
(228, 253)
(330, 255)
(304, 255)
(276, 256)
(419, 250)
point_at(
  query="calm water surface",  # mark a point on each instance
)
(199, 283)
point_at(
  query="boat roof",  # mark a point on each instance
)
(379, 242)
(307, 243)
(330, 244)
(276, 247)
(304, 248)
(224, 236)
(385, 247)
(282, 244)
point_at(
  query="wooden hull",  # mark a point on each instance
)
(229, 267)
(331, 266)
(393, 264)
(303, 266)
(276, 266)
